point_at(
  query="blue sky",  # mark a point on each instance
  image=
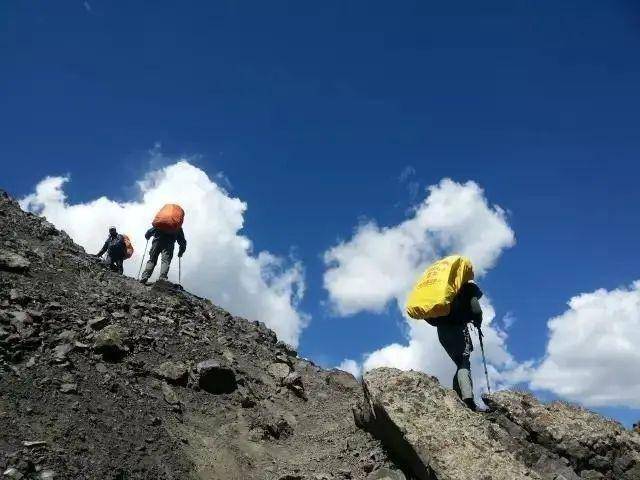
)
(314, 110)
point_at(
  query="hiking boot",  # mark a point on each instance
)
(143, 281)
(470, 402)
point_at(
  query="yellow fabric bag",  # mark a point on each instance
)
(433, 293)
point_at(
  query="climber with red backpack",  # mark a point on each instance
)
(166, 230)
(117, 248)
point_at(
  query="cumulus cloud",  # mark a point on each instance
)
(379, 265)
(219, 263)
(351, 366)
(592, 354)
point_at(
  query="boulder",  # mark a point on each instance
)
(279, 370)
(12, 262)
(169, 395)
(293, 382)
(431, 432)
(110, 342)
(173, 372)
(214, 377)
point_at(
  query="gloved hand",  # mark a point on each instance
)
(477, 322)
(147, 235)
(180, 253)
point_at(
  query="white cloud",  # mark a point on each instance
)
(351, 366)
(219, 262)
(380, 264)
(592, 355)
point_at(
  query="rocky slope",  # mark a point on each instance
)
(103, 378)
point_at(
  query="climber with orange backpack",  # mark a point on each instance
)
(166, 230)
(117, 248)
(448, 299)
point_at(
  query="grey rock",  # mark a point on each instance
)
(110, 342)
(47, 475)
(386, 474)
(12, 473)
(591, 475)
(169, 395)
(16, 296)
(173, 372)
(431, 431)
(98, 323)
(214, 377)
(69, 388)
(12, 262)
(66, 336)
(61, 351)
(279, 370)
(34, 443)
(293, 382)
(550, 467)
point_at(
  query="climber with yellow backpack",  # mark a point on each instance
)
(166, 230)
(447, 298)
(117, 248)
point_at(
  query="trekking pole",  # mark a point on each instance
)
(484, 360)
(179, 270)
(142, 261)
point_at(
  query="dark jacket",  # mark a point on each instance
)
(114, 245)
(465, 307)
(168, 238)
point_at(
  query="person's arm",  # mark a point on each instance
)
(182, 242)
(150, 233)
(103, 249)
(476, 312)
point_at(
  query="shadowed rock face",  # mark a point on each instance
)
(103, 378)
(591, 445)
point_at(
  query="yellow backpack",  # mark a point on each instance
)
(433, 293)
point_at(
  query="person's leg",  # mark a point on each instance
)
(167, 255)
(463, 375)
(108, 261)
(153, 259)
(119, 266)
(463, 365)
(453, 338)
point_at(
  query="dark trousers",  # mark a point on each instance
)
(159, 246)
(455, 338)
(114, 262)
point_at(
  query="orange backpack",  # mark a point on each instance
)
(169, 219)
(128, 247)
